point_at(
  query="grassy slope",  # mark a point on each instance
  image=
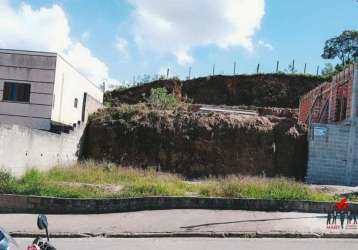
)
(89, 180)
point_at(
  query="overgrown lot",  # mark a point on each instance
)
(196, 144)
(90, 180)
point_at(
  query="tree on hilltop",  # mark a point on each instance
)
(344, 47)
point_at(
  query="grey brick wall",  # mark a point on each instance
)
(328, 155)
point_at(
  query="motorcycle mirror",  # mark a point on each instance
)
(42, 222)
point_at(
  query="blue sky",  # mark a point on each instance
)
(115, 40)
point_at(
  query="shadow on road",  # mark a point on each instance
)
(256, 220)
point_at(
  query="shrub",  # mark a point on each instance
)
(160, 99)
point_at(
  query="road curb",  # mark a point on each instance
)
(50, 205)
(283, 235)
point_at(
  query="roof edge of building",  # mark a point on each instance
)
(28, 52)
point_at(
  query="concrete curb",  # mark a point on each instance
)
(48, 205)
(193, 235)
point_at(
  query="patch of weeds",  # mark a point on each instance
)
(86, 179)
(7, 181)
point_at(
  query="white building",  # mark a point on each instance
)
(42, 90)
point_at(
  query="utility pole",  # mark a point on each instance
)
(234, 68)
(317, 70)
(214, 69)
(304, 71)
(258, 68)
(168, 73)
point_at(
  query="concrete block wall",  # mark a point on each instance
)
(328, 155)
(22, 148)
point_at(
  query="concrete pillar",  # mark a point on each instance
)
(330, 100)
(354, 94)
(352, 131)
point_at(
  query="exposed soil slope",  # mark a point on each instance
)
(198, 144)
(262, 90)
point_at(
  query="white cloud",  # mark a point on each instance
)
(46, 29)
(184, 58)
(177, 26)
(92, 67)
(42, 29)
(263, 44)
(122, 47)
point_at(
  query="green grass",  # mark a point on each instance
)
(91, 180)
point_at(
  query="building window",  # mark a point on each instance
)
(16, 92)
(76, 103)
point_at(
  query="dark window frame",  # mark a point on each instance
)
(17, 92)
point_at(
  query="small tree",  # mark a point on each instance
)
(344, 46)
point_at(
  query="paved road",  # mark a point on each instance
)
(198, 243)
(173, 221)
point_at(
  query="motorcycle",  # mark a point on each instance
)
(6, 241)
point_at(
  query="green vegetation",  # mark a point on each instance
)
(263, 188)
(344, 46)
(90, 180)
(159, 98)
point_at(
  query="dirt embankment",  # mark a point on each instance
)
(198, 144)
(262, 90)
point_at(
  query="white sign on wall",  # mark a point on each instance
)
(320, 131)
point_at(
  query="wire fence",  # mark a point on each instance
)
(277, 68)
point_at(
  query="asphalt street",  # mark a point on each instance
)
(198, 243)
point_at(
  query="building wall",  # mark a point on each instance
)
(71, 84)
(327, 156)
(328, 160)
(22, 148)
(37, 69)
(333, 146)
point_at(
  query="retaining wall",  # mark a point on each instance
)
(47, 205)
(22, 147)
